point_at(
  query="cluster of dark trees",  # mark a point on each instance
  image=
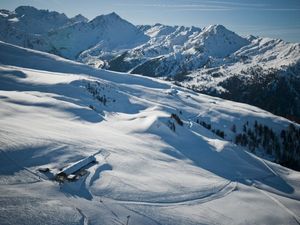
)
(177, 119)
(259, 135)
(204, 124)
(218, 132)
(171, 125)
(95, 90)
(284, 147)
(290, 154)
(208, 126)
(275, 91)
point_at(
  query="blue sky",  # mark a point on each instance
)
(268, 18)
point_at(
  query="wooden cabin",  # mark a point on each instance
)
(70, 170)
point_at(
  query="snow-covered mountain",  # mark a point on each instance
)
(68, 37)
(30, 20)
(165, 154)
(265, 73)
(179, 51)
(213, 60)
(28, 26)
(98, 37)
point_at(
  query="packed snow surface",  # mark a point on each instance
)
(56, 112)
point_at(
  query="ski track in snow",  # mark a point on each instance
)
(297, 219)
(84, 218)
(215, 194)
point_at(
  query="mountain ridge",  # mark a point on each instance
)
(211, 60)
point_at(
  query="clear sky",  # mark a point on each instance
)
(267, 18)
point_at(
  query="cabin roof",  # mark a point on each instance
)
(74, 167)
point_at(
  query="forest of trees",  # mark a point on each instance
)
(283, 146)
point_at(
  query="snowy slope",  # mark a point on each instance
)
(53, 114)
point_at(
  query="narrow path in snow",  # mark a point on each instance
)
(144, 215)
(219, 193)
(85, 219)
(116, 217)
(35, 175)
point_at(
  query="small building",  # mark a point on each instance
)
(44, 170)
(71, 177)
(70, 170)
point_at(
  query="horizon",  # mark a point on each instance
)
(266, 18)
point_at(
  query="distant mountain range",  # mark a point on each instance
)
(260, 71)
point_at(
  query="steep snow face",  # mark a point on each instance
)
(217, 41)
(164, 40)
(183, 50)
(157, 30)
(106, 29)
(78, 18)
(269, 53)
(155, 167)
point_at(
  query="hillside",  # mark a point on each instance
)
(212, 60)
(159, 163)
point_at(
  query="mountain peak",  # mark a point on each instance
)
(216, 28)
(251, 37)
(112, 21)
(113, 17)
(79, 18)
(113, 14)
(218, 32)
(24, 8)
